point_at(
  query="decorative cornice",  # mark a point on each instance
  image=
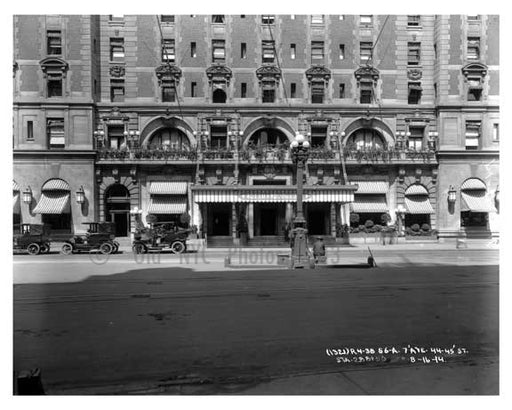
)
(115, 114)
(475, 69)
(53, 64)
(220, 71)
(268, 72)
(168, 72)
(414, 74)
(117, 71)
(318, 72)
(367, 72)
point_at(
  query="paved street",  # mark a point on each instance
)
(171, 328)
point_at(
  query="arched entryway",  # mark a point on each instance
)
(169, 138)
(117, 208)
(366, 138)
(267, 137)
(219, 96)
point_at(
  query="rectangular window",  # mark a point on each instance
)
(117, 49)
(474, 88)
(219, 137)
(317, 92)
(193, 52)
(416, 138)
(267, 49)
(116, 136)
(243, 90)
(168, 92)
(293, 51)
(474, 18)
(365, 51)
(342, 91)
(167, 18)
(243, 50)
(55, 132)
(267, 19)
(495, 132)
(54, 84)
(413, 21)
(268, 96)
(473, 134)
(117, 90)
(473, 48)
(366, 19)
(54, 42)
(317, 52)
(218, 19)
(293, 90)
(317, 19)
(341, 17)
(342, 52)
(366, 92)
(218, 51)
(30, 130)
(168, 50)
(414, 95)
(116, 17)
(413, 53)
(318, 136)
(193, 86)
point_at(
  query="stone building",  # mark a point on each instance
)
(191, 114)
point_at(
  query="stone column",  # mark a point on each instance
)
(333, 219)
(250, 219)
(289, 212)
(233, 221)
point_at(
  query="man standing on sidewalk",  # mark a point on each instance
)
(319, 249)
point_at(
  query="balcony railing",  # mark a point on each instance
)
(146, 154)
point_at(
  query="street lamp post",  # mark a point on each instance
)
(300, 253)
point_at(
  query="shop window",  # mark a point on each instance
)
(243, 50)
(365, 51)
(218, 19)
(117, 49)
(317, 52)
(293, 90)
(219, 137)
(473, 219)
(293, 51)
(341, 91)
(414, 95)
(243, 90)
(54, 42)
(318, 136)
(317, 19)
(57, 222)
(55, 132)
(473, 129)
(268, 53)
(193, 52)
(168, 91)
(366, 20)
(413, 21)
(416, 138)
(218, 51)
(116, 136)
(413, 53)
(167, 18)
(473, 48)
(366, 92)
(168, 50)
(117, 90)
(317, 92)
(267, 19)
(341, 52)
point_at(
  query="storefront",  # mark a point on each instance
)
(54, 206)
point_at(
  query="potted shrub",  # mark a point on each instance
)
(354, 219)
(385, 219)
(368, 226)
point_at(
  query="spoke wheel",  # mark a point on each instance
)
(139, 248)
(33, 249)
(106, 248)
(178, 247)
(67, 249)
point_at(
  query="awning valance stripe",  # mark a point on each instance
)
(418, 204)
(274, 196)
(53, 203)
(416, 190)
(168, 188)
(15, 186)
(473, 183)
(55, 185)
(476, 201)
(167, 205)
(369, 204)
(372, 187)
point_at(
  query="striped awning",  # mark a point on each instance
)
(55, 185)
(472, 184)
(416, 189)
(418, 204)
(369, 204)
(16, 208)
(15, 186)
(167, 205)
(53, 203)
(168, 188)
(372, 187)
(476, 201)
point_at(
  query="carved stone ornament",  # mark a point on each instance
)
(474, 69)
(268, 72)
(115, 116)
(99, 176)
(414, 74)
(216, 72)
(367, 72)
(117, 71)
(318, 72)
(168, 72)
(54, 65)
(269, 172)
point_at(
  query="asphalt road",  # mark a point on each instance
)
(128, 328)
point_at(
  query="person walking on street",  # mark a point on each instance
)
(318, 248)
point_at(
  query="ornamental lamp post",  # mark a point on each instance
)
(99, 136)
(300, 253)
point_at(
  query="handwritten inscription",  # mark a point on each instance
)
(396, 354)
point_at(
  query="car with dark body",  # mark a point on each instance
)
(100, 236)
(159, 236)
(33, 238)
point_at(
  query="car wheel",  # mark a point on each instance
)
(178, 247)
(67, 249)
(116, 247)
(139, 248)
(33, 249)
(106, 248)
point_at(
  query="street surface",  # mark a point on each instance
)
(162, 326)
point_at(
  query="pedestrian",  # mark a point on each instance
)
(318, 248)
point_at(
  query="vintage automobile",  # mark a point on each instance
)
(33, 238)
(159, 236)
(99, 236)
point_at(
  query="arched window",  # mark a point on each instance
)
(219, 96)
(366, 138)
(169, 138)
(267, 137)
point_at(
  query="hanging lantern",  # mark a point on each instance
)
(80, 196)
(27, 195)
(452, 195)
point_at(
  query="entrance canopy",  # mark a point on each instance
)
(272, 194)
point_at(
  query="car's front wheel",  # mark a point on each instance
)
(178, 247)
(66, 249)
(33, 249)
(106, 248)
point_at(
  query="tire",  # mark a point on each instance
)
(116, 247)
(67, 249)
(106, 248)
(33, 249)
(45, 248)
(139, 248)
(178, 247)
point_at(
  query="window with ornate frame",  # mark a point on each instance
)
(54, 42)
(317, 92)
(318, 136)
(117, 90)
(474, 74)
(415, 141)
(473, 132)
(168, 91)
(116, 137)
(218, 137)
(116, 49)
(365, 92)
(55, 133)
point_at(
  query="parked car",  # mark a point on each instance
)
(160, 235)
(33, 238)
(99, 236)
